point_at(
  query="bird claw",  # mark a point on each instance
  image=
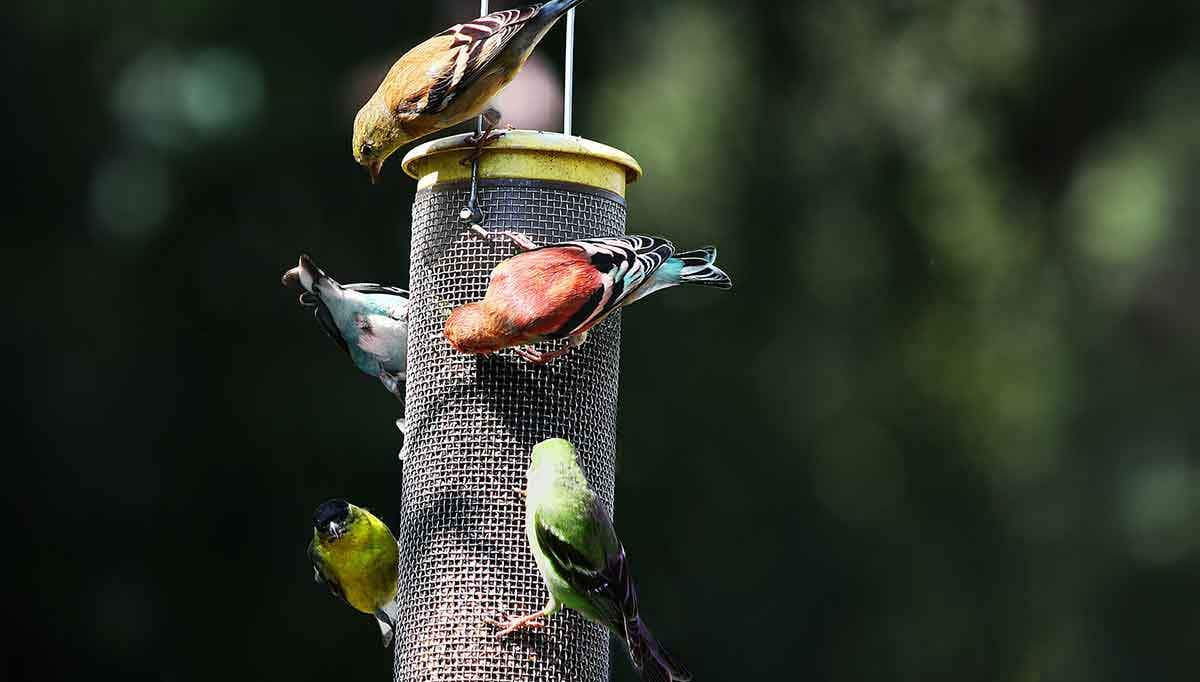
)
(492, 133)
(538, 358)
(534, 357)
(392, 382)
(511, 625)
(492, 116)
(522, 242)
(481, 140)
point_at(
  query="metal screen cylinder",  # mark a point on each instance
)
(473, 421)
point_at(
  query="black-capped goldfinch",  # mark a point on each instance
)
(449, 79)
(356, 556)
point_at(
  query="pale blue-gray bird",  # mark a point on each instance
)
(369, 321)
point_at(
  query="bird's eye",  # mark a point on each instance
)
(366, 148)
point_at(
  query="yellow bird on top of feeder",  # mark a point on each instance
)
(449, 79)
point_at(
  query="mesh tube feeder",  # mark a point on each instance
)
(473, 421)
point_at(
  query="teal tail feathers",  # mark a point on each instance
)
(653, 662)
(699, 267)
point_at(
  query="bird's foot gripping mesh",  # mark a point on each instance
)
(472, 424)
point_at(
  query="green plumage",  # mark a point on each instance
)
(567, 535)
(582, 561)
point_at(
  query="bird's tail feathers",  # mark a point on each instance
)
(556, 8)
(307, 276)
(535, 21)
(652, 660)
(386, 618)
(699, 267)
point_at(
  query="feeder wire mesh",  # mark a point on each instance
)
(472, 424)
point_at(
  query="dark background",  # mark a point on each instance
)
(943, 428)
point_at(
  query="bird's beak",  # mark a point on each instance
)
(291, 278)
(373, 169)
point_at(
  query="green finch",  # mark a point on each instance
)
(448, 79)
(583, 562)
(357, 558)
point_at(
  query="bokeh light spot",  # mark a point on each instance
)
(130, 196)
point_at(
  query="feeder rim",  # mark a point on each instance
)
(526, 140)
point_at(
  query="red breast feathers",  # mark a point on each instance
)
(531, 297)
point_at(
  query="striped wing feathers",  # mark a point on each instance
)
(624, 263)
(428, 77)
(501, 24)
(377, 289)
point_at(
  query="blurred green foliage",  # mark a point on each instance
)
(944, 427)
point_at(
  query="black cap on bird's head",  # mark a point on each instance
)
(331, 518)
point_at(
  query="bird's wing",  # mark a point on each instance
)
(380, 289)
(427, 78)
(396, 298)
(625, 264)
(603, 580)
(321, 573)
(325, 319)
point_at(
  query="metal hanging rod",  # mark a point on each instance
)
(483, 12)
(569, 68)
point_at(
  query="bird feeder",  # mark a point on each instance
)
(472, 421)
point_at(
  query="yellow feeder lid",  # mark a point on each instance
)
(527, 155)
